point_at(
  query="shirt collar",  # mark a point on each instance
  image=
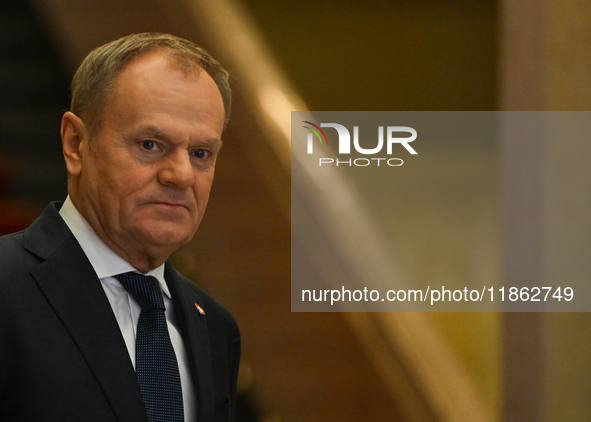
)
(105, 262)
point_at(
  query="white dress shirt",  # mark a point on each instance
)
(106, 264)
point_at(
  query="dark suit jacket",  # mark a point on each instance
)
(62, 355)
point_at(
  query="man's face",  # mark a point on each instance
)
(145, 180)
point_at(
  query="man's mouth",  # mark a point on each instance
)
(170, 204)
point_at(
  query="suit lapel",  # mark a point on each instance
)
(195, 334)
(73, 290)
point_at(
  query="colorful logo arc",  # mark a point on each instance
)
(316, 129)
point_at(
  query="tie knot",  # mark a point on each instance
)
(144, 289)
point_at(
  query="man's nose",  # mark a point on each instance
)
(177, 170)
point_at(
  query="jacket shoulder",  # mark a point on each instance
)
(14, 258)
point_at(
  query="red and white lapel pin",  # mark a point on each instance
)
(200, 309)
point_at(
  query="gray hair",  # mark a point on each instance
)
(94, 80)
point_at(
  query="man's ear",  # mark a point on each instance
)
(74, 135)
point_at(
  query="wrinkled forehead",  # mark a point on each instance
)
(152, 86)
(151, 70)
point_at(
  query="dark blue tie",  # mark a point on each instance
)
(156, 366)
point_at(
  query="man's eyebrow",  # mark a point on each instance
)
(211, 143)
(158, 133)
(153, 131)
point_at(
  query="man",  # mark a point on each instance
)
(95, 323)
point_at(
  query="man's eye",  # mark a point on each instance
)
(149, 145)
(200, 153)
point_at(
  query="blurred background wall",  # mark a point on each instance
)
(346, 55)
